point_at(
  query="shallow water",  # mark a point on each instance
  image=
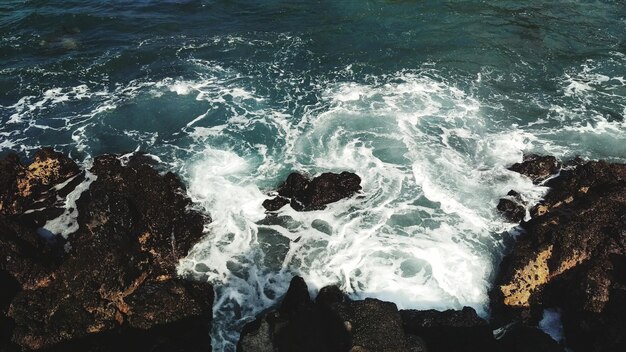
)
(428, 101)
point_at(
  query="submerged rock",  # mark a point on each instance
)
(537, 168)
(573, 256)
(116, 288)
(304, 194)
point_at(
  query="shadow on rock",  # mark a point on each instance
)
(572, 256)
(116, 286)
(334, 323)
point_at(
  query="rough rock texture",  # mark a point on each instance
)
(464, 331)
(449, 330)
(536, 167)
(512, 207)
(573, 256)
(116, 288)
(333, 323)
(304, 194)
(329, 324)
(275, 203)
(32, 191)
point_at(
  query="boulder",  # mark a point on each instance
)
(275, 203)
(116, 287)
(513, 207)
(538, 168)
(305, 194)
(572, 256)
(334, 323)
(449, 331)
(331, 323)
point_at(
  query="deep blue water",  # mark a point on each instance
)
(428, 101)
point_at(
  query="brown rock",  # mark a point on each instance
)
(116, 288)
(571, 256)
(536, 167)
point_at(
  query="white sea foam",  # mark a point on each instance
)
(423, 233)
(66, 223)
(551, 324)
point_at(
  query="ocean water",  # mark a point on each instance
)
(428, 101)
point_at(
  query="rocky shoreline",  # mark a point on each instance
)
(571, 256)
(112, 284)
(106, 281)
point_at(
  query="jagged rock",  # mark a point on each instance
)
(305, 194)
(116, 288)
(512, 207)
(329, 187)
(295, 184)
(449, 331)
(30, 187)
(24, 255)
(572, 257)
(536, 167)
(275, 203)
(334, 323)
(577, 182)
(375, 325)
(330, 324)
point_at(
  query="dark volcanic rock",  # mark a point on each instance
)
(521, 338)
(329, 187)
(536, 167)
(330, 324)
(295, 184)
(512, 207)
(449, 331)
(275, 203)
(305, 194)
(24, 255)
(334, 323)
(116, 288)
(30, 187)
(573, 256)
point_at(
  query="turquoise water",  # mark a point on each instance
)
(429, 101)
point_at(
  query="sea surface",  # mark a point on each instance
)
(428, 101)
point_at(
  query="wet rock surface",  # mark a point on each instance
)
(32, 191)
(305, 194)
(513, 207)
(116, 287)
(334, 323)
(572, 256)
(537, 167)
(331, 323)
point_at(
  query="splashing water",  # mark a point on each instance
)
(428, 102)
